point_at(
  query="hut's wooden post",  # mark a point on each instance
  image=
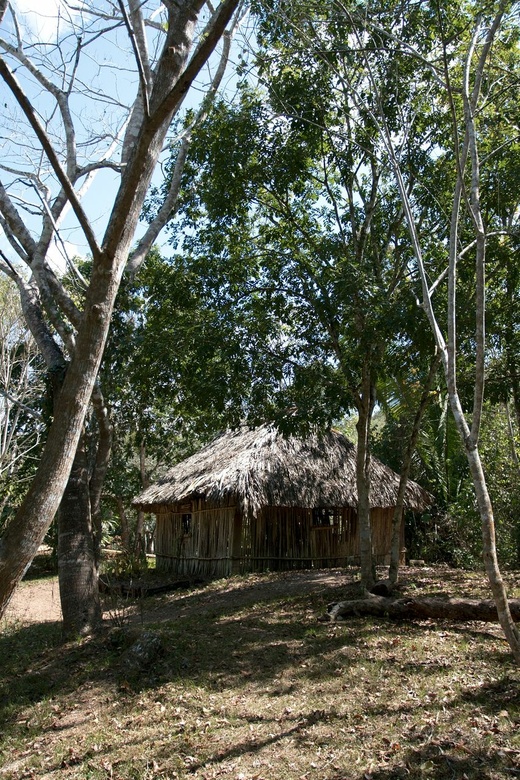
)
(236, 547)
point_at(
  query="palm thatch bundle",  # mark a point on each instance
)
(260, 467)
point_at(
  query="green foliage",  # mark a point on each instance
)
(502, 474)
(124, 566)
(305, 260)
(451, 532)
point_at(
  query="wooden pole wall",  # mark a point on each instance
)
(221, 541)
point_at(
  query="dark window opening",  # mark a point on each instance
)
(186, 523)
(323, 517)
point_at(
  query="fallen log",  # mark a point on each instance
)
(420, 609)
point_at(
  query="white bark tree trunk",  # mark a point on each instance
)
(466, 155)
(490, 553)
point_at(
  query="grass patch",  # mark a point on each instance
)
(250, 686)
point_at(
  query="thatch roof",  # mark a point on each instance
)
(260, 468)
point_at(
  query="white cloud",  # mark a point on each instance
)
(43, 22)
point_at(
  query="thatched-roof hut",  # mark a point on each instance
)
(254, 500)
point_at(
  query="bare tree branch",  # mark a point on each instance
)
(143, 76)
(15, 228)
(29, 112)
(163, 104)
(27, 409)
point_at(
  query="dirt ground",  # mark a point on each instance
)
(38, 601)
(35, 601)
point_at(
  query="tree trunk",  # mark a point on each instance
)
(123, 521)
(511, 435)
(365, 408)
(140, 542)
(78, 552)
(77, 569)
(471, 91)
(397, 519)
(25, 533)
(490, 553)
(420, 609)
(175, 74)
(101, 463)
